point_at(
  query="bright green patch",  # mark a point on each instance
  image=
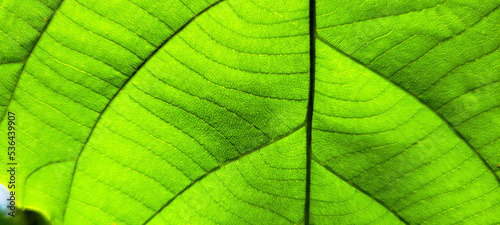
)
(201, 111)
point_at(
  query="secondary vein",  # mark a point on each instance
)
(219, 167)
(119, 90)
(28, 57)
(457, 133)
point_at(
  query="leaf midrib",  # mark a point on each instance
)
(308, 123)
(310, 106)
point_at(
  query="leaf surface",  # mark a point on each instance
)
(255, 112)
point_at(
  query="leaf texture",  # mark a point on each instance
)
(254, 111)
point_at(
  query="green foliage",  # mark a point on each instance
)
(233, 112)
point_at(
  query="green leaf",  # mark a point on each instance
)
(253, 111)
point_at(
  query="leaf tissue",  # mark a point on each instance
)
(252, 111)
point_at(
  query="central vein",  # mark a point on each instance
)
(312, 58)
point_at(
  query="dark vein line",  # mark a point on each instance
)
(360, 190)
(261, 207)
(119, 90)
(443, 41)
(47, 164)
(228, 87)
(18, 17)
(7, 63)
(458, 134)
(384, 16)
(300, 222)
(11, 38)
(37, 169)
(458, 68)
(220, 166)
(27, 58)
(213, 102)
(310, 105)
(114, 22)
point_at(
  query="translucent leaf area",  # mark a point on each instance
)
(253, 111)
